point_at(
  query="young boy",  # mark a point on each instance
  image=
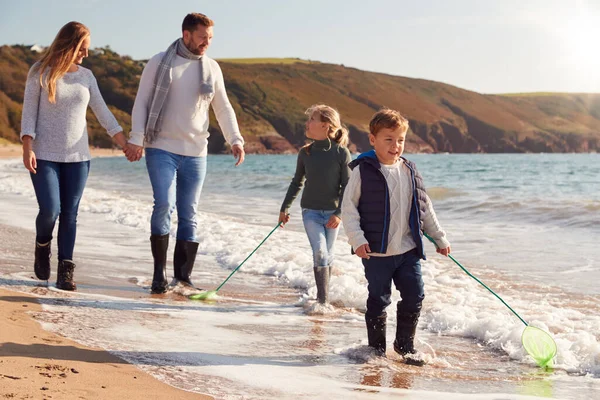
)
(384, 212)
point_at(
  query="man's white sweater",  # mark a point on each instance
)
(184, 129)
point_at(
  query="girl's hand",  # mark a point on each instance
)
(29, 159)
(334, 222)
(363, 251)
(283, 218)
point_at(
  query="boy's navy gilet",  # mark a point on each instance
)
(374, 203)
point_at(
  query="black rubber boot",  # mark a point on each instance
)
(64, 276)
(322, 281)
(183, 261)
(376, 333)
(406, 327)
(159, 245)
(41, 263)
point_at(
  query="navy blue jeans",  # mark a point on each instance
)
(58, 188)
(405, 271)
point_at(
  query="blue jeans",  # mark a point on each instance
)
(405, 271)
(176, 182)
(58, 189)
(321, 238)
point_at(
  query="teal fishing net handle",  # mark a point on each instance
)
(478, 281)
(246, 259)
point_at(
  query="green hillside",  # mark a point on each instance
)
(270, 96)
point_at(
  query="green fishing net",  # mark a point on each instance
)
(539, 345)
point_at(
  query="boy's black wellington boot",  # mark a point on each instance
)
(41, 263)
(376, 327)
(64, 276)
(159, 245)
(183, 261)
(322, 281)
(406, 327)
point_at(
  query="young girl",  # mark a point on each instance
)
(55, 143)
(323, 164)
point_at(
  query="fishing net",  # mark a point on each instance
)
(539, 345)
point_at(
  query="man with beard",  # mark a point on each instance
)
(170, 119)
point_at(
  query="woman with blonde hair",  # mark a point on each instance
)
(55, 143)
(322, 168)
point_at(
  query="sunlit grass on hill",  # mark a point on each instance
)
(266, 61)
(534, 94)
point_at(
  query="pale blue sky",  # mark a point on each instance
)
(489, 46)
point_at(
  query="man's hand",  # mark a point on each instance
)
(238, 153)
(363, 251)
(334, 222)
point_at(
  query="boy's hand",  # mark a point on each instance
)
(283, 218)
(363, 251)
(443, 252)
(334, 222)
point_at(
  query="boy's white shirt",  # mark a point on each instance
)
(400, 238)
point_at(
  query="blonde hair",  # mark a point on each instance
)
(60, 55)
(387, 119)
(336, 132)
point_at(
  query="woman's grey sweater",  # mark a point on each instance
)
(59, 130)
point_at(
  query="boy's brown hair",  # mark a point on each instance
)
(192, 20)
(387, 119)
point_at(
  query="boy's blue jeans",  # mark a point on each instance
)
(176, 183)
(320, 237)
(58, 189)
(405, 271)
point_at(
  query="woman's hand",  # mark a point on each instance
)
(283, 218)
(29, 159)
(334, 222)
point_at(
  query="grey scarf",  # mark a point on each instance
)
(162, 82)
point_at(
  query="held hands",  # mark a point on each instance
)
(334, 222)
(238, 153)
(363, 251)
(132, 152)
(283, 218)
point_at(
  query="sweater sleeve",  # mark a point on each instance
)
(295, 185)
(31, 103)
(431, 226)
(344, 176)
(224, 111)
(98, 106)
(139, 115)
(350, 215)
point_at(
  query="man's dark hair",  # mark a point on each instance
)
(192, 20)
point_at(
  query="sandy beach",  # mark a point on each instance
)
(12, 150)
(36, 364)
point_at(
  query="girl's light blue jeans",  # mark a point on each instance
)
(321, 238)
(176, 183)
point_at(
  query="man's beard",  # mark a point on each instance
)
(195, 50)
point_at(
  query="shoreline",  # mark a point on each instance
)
(35, 363)
(13, 150)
